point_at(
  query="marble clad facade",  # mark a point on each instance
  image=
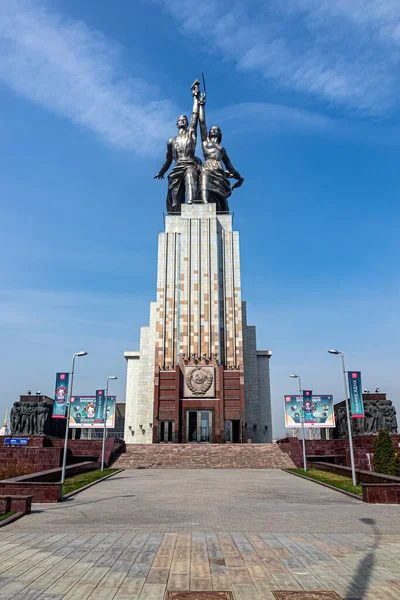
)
(197, 320)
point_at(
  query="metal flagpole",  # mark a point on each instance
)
(346, 399)
(302, 422)
(105, 422)
(302, 428)
(346, 395)
(64, 463)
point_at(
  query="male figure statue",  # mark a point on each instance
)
(182, 181)
(15, 418)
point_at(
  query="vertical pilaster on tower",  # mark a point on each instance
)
(198, 289)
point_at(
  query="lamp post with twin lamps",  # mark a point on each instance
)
(64, 464)
(302, 422)
(105, 422)
(346, 399)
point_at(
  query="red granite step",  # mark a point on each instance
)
(204, 456)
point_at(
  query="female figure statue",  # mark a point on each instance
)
(213, 185)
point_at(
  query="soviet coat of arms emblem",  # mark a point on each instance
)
(199, 380)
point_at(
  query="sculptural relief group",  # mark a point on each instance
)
(29, 418)
(190, 180)
(379, 415)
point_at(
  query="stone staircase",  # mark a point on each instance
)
(203, 456)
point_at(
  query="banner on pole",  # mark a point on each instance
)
(87, 411)
(99, 415)
(60, 396)
(356, 400)
(320, 411)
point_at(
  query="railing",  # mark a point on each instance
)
(98, 435)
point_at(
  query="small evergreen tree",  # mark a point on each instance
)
(394, 467)
(383, 452)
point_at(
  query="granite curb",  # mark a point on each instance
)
(85, 487)
(11, 519)
(331, 487)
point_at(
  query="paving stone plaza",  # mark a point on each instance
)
(247, 531)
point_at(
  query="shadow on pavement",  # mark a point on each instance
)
(362, 577)
(73, 501)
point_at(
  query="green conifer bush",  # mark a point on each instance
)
(383, 452)
(394, 467)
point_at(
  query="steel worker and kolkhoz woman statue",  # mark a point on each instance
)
(190, 180)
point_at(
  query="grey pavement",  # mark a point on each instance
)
(143, 532)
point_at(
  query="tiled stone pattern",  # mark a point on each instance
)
(198, 307)
(257, 389)
(143, 566)
(199, 456)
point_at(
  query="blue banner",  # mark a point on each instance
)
(356, 400)
(309, 407)
(100, 399)
(60, 396)
(9, 441)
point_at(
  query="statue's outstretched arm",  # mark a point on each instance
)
(167, 162)
(231, 171)
(195, 112)
(202, 119)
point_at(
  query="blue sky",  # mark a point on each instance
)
(307, 96)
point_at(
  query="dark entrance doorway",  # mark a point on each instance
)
(199, 426)
(232, 431)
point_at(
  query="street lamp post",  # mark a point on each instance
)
(64, 464)
(105, 422)
(302, 422)
(346, 398)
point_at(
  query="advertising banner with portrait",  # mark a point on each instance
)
(60, 396)
(318, 411)
(87, 411)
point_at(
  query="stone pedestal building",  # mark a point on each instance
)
(198, 376)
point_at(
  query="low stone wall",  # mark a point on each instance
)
(362, 476)
(381, 493)
(292, 446)
(41, 458)
(44, 486)
(377, 488)
(337, 449)
(5, 504)
(40, 492)
(44, 453)
(54, 475)
(15, 504)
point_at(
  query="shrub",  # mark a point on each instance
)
(394, 467)
(383, 452)
(12, 470)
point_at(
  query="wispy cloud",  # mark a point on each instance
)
(345, 52)
(75, 72)
(274, 118)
